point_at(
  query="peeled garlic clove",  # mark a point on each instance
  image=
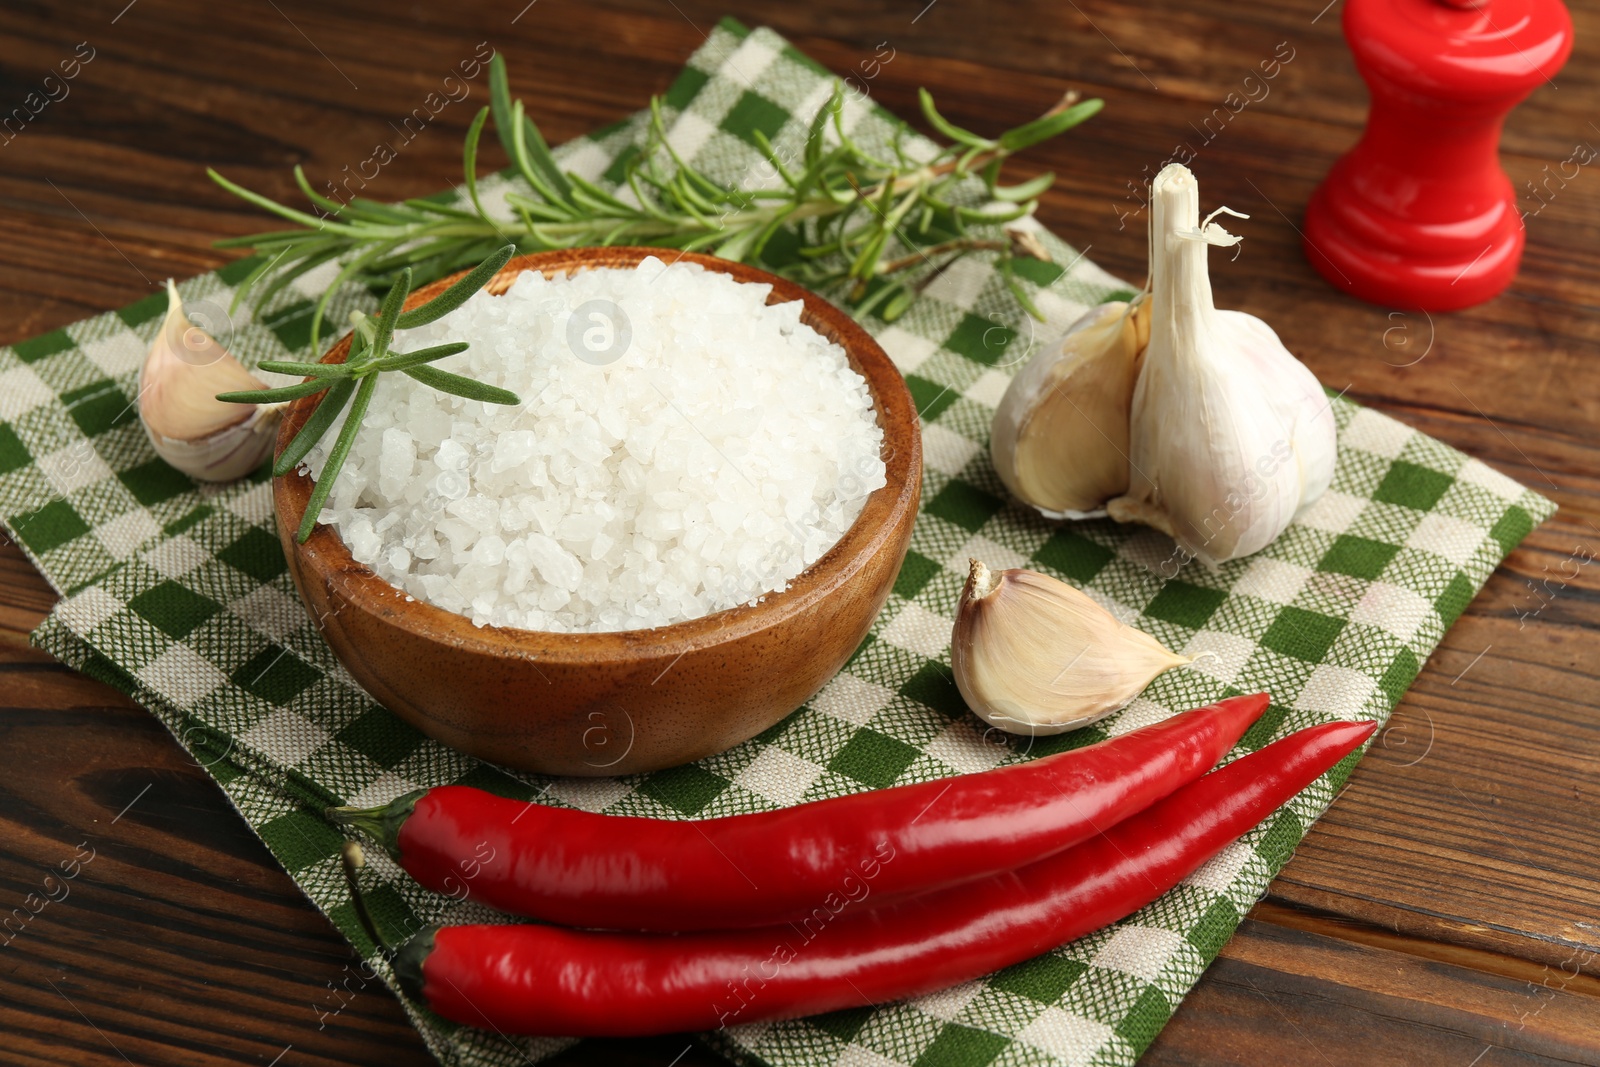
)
(1060, 436)
(1230, 436)
(187, 425)
(1032, 655)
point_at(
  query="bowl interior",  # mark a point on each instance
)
(326, 553)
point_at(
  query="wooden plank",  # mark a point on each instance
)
(25, 597)
(1282, 994)
(170, 935)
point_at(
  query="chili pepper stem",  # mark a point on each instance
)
(406, 960)
(352, 860)
(381, 824)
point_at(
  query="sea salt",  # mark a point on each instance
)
(682, 447)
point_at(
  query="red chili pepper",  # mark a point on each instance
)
(528, 979)
(617, 872)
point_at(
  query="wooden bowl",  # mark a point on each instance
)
(626, 701)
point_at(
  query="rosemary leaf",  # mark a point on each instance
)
(586, 193)
(333, 207)
(349, 271)
(311, 431)
(773, 159)
(534, 174)
(1006, 264)
(428, 207)
(1022, 191)
(274, 396)
(769, 231)
(871, 301)
(403, 360)
(461, 386)
(288, 268)
(378, 210)
(897, 304)
(308, 221)
(948, 128)
(530, 142)
(991, 216)
(267, 263)
(1048, 126)
(736, 246)
(534, 151)
(457, 294)
(336, 458)
(388, 314)
(309, 370)
(819, 122)
(469, 159)
(268, 239)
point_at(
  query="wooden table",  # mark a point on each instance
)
(1446, 911)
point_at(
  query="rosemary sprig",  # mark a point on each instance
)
(840, 216)
(353, 382)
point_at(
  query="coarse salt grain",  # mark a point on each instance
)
(682, 447)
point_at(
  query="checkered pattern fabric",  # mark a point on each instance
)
(177, 594)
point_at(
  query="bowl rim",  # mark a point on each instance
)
(873, 529)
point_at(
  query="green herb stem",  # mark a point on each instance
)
(848, 208)
(354, 381)
(336, 457)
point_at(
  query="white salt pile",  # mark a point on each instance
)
(682, 447)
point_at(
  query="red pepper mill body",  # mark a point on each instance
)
(1419, 214)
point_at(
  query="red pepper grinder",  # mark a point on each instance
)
(1419, 214)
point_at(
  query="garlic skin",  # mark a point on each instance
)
(188, 427)
(1035, 656)
(1059, 439)
(1230, 436)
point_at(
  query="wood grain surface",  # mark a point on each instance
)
(1447, 909)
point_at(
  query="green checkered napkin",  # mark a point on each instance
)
(177, 594)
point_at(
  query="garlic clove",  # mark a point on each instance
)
(1301, 400)
(1033, 655)
(1059, 439)
(187, 425)
(1230, 436)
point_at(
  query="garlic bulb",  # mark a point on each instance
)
(1230, 436)
(1032, 655)
(1060, 436)
(188, 427)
